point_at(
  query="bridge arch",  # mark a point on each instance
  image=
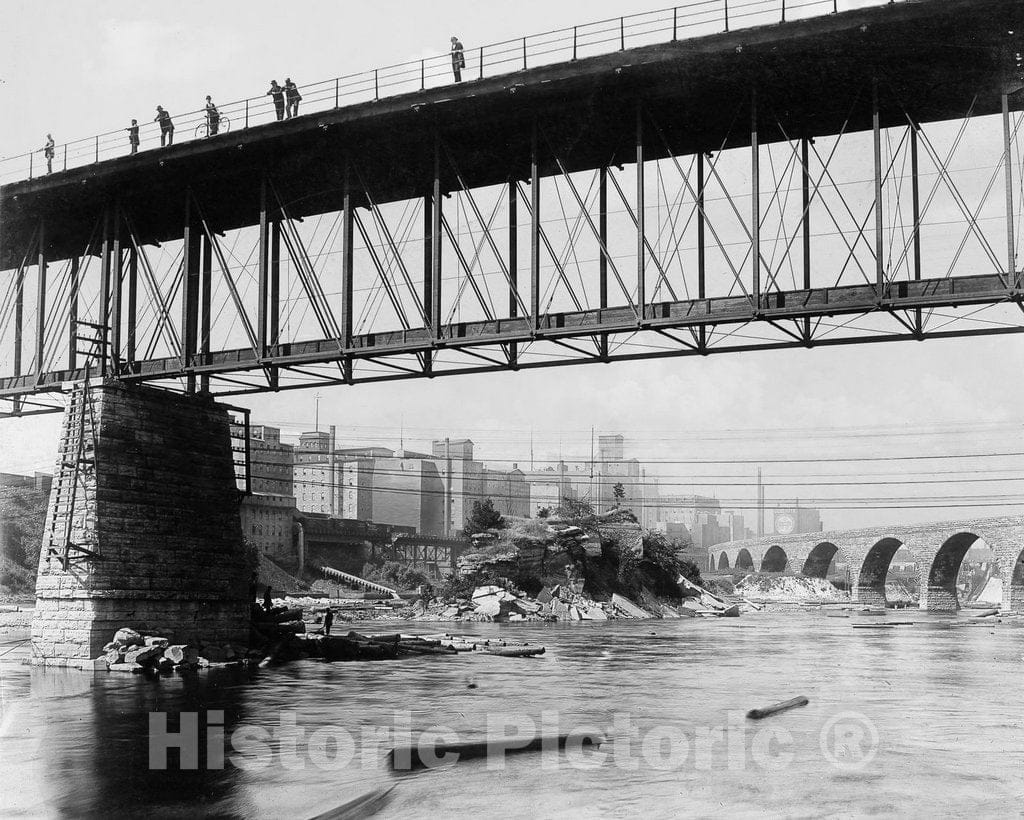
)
(723, 560)
(869, 587)
(744, 560)
(940, 592)
(819, 560)
(774, 559)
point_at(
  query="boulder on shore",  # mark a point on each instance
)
(127, 637)
(182, 653)
(126, 667)
(144, 655)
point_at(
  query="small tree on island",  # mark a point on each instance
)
(575, 510)
(484, 517)
(619, 492)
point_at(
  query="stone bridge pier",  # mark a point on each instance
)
(937, 549)
(143, 526)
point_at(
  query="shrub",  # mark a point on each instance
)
(484, 517)
(394, 574)
(575, 511)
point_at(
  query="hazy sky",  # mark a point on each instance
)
(75, 68)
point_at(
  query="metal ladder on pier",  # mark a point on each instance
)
(73, 502)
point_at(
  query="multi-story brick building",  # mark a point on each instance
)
(508, 490)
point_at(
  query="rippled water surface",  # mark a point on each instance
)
(922, 720)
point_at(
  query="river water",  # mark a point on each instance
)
(922, 720)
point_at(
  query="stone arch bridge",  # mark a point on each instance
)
(938, 549)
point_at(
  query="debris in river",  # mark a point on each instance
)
(421, 756)
(774, 709)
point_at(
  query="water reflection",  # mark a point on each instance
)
(671, 695)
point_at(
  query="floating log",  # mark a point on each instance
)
(408, 758)
(337, 648)
(986, 613)
(420, 649)
(774, 709)
(513, 651)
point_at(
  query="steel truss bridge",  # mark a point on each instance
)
(842, 179)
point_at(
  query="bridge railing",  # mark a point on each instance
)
(695, 19)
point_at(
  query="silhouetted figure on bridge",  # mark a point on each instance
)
(48, 149)
(277, 93)
(166, 127)
(212, 117)
(268, 602)
(328, 620)
(133, 136)
(293, 97)
(458, 59)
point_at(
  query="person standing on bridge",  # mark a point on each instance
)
(293, 97)
(212, 117)
(328, 620)
(48, 149)
(278, 95)
(133, 136)
(166, 126)
(458, 59)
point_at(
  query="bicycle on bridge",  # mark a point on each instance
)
(214, 123)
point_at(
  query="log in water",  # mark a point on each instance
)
(409, 758)
(774, 709)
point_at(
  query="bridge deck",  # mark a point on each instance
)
(933, 58)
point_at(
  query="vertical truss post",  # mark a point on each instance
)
(513, 263)
(104, 295)
(701, 246)
(1011, 255)
(877, 134)
(190, 294)
(347, 259)
(755, 198)
(205, 287)
(602, 258)
(641, 250)
(133, 303)
(534, 230)
(73, 315)
(805, 199)
(116, 282)
(263, 273)
(19, 315)
(428, 267)
(436, 255)
(41, 300)
(274, 308)
(915, 194)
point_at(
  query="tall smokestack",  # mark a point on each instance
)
(760, 505)
(331, 445)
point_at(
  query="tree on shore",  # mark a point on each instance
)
(619, 492)
(484, 517)
(575, 510)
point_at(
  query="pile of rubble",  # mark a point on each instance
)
(565, 602)
(132, 652)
